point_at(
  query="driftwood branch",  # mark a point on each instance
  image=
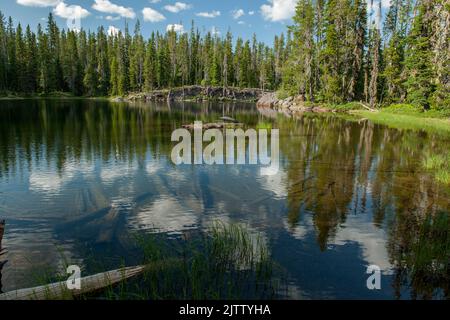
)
(367, 107)
(89, 284)
(59, 290)
(214, 125)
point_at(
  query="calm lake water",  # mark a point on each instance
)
(348, 194)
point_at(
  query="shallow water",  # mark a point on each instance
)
(77, 177)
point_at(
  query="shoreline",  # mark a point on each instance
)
(401, 116)
(291, 106)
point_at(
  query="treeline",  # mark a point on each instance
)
(333, 53)
(100, 64)
(338, 53)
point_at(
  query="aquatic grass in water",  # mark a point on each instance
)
(430, 263)
(440, 166)
(225, 262)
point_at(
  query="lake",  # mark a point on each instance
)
(348, 194)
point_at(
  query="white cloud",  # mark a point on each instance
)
(111, 18)
(166, 215)
(107, 6)
(177, 7)
(278, 10)
(112, 31)
(237, 13)
(154, 1)
(175, 27)
(212, 14)
(250, 13)
(241, 22)
(70, 11)
(152, 15)
(38, 3)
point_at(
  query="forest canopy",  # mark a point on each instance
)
(330, 54)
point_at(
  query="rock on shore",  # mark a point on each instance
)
(289, 105)
(199, 93)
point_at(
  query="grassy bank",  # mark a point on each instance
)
(400, 116)
(406, 121)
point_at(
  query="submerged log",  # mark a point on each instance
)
(214, 125)
(59, 290)
(2, 231)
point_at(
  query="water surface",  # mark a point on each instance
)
(348, 194)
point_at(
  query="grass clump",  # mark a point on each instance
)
(225, 262)
(429, 259)
(439, 164)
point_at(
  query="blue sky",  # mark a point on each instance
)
(266, 18)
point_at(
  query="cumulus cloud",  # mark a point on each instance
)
(70, 11)
(38, 3)
(111, 18)
(154, 1)
(250, 13)
(212, 14)
(237, 13)
(177, 7)
(152, 15)
(175, 27)
(112, 31)
(107, 6)
(278, 10)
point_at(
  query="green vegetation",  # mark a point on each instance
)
(439, 164)
(226, 262)
(405, 61)
(406, 121)
(324, 60)
(89, 63)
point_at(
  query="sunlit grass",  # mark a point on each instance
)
(439, 165)
(410, 122)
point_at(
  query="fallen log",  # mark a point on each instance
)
(59, 290)
(89, 284)
(367, 107)
(213, 125)
(2, 231)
